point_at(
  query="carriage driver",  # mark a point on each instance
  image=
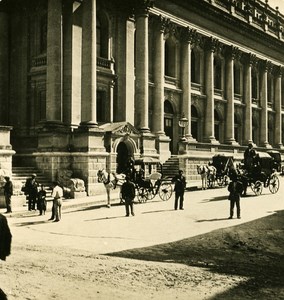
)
(249, 156)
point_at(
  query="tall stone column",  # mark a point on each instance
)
(210, 47)
(188, 36)
(162, 141)
(159, 77)
(89, 65)
(231, 54)
(54, 62)
(265, 66)
(249, 60)
(4, 59)
(125, 86)
(278, 107)
(142, 66)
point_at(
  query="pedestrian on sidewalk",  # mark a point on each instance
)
(235, 188)
(180, 185)
(57, 194)
(31, 190)
(128, 195)
(41, 200)
(8, 192)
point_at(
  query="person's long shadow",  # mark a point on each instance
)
(219, 198)
(211, 220)
(104, 218)
(32, 223)
(156, 211)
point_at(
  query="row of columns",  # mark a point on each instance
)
(89, 60)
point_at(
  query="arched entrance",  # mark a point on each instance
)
(122, 157)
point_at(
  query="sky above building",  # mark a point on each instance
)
(279, 3)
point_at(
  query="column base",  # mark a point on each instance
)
(88, 124)
(211, 140)
(163, 146)
(232, 142)
(266, 145)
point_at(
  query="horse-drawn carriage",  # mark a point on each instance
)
(223, 163)
(261, 173)
(148, 181)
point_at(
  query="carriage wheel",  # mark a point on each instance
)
(165, 191)
(257, 187)
(142, 194)
(273, 184)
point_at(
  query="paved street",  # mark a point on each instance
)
(101, 230)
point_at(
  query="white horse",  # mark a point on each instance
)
(203, 170)
(110, 181)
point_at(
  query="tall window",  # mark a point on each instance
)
(217, 73)
(102, 35)
(254, 84)
(217, 125)
(255, 130)
(269, 88)
(237, 79)
(194, 122)
(237, 129)
(271, 130)
(101, 106)
(170, 58)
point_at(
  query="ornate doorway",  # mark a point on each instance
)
(122, 158)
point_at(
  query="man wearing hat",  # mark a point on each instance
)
(31, 190)
(8, 192)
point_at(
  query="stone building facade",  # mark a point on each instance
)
(86, 84)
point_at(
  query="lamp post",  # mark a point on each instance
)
(182, 124)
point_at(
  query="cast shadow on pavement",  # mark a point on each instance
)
(219, 198)
(32, 223)
(156, 211)
(104, 218)
(211, 220)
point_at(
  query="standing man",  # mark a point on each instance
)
(31, 189)
(128, 194)
(57, 194)
(180, 184)
(8, 192)
(5, 239)
(235, 188)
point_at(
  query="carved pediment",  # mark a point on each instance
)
(121, 128)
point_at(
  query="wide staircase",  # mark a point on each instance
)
(170, 167)
(21, 174)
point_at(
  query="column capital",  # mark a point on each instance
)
(278, 71)
(160, 23)
(233, 53)
(212, 44)
(250, 59)
(188, 35)
(266, 65)
(142, 7)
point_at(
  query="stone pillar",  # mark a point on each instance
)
(278, 107)
(188, 36)
(54, 62)
(249, 59)
(4, 67)
(230, 94)
(125, 86)
(159, 77)
(111, 90)
(265, 66)
(210, 47)
(162, 141)
(142, 67)
(89, 65)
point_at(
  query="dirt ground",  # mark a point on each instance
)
(241, 262)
